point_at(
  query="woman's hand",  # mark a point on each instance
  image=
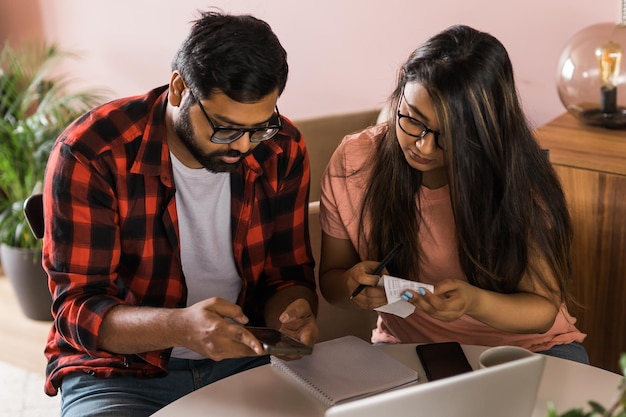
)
(371, 296)
(451, 299)
(519, 312)
(341, 272)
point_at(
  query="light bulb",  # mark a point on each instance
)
(609, 57)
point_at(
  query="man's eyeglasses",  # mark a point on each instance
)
(224, 135)
(415, 128)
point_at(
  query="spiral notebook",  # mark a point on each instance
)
(346, 368)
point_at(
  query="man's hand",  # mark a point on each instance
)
(204, 328)
(298, 321)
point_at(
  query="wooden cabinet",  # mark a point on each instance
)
(591, 163)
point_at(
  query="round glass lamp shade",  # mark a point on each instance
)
(591, 75)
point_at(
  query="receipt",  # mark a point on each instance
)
(394, 287)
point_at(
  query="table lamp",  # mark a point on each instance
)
(591, 74)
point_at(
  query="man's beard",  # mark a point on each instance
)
(210, 161)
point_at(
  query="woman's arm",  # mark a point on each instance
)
(520, 312)
(532, 309)
(341, 271)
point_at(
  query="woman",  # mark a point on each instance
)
(457, 178)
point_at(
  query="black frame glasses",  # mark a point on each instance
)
(416, 123)
(225, 135)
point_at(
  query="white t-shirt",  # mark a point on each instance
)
(203, 206)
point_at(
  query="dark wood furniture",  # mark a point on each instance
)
(591, 163)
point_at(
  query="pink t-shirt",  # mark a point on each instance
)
(343, 184)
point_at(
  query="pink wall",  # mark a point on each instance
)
(343, 54)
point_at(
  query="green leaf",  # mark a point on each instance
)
(35, 107)
(596, 407)
(577, 412)
(551, 410)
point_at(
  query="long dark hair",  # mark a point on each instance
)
(238, 55)
(507, 202)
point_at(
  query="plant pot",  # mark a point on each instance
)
(29, 281)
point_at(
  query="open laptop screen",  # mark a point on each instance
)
(509, 389)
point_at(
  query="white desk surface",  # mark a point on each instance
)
(267, 392)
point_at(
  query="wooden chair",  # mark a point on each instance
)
(33, 210)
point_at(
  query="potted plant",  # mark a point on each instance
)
(617, 409)
(34, 109)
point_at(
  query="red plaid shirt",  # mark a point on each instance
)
(111, 230)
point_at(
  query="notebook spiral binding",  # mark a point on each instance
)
(303, 382)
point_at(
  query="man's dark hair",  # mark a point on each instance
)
(238, 55)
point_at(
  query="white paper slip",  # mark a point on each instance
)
(394, 287)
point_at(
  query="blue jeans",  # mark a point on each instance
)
(83, 395)
(573, 351)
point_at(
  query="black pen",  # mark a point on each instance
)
(379, 268)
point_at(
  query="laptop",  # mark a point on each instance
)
(506, 390)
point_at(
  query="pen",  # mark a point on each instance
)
(379, 268)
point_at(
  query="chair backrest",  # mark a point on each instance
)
(33, 210)
(323, 134)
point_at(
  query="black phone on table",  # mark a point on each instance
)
(278, 343)
(442, 360)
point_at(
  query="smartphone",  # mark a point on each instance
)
(441, 360)
(277, 343)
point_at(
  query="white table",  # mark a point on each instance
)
(267, 392)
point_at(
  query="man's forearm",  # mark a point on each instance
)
(130, 330)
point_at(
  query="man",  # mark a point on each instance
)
(171, 220)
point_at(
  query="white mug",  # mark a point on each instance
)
(502, 354)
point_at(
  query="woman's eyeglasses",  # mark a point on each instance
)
(415, 128)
